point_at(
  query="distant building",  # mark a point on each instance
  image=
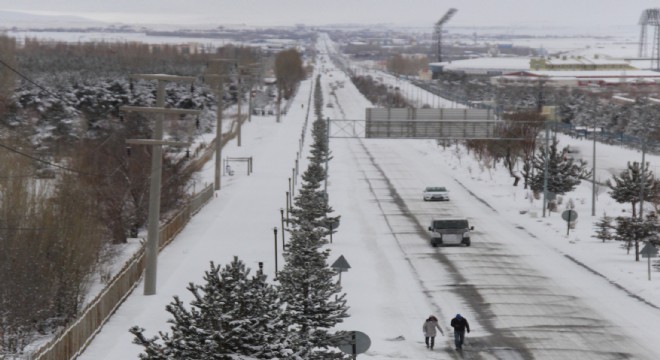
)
(482, 66)
(593, 78)
(187, 48)
(579, 63)
(424, 74)
(565, 71)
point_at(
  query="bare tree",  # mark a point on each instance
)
(50, 245)
(288, 71)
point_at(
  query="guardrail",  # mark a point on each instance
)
(77, 336)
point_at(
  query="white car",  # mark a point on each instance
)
(436, 193)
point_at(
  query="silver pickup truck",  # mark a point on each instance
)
(450, 231)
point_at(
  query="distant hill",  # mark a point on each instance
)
(21, 20)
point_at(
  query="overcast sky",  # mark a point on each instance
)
(575, 13)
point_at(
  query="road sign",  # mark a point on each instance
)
(332, 224)
(340, 264)
(550, 196)
(355, 342)
(569, 215)
(649, 251)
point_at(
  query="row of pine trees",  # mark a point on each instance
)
(236, 315)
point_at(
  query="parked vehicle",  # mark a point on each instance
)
(450, 231)
(436, 193)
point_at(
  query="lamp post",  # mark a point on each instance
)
(275, 233)
(261, 268)
(288, 205)
(282, 219)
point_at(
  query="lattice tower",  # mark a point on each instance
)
(650, 17)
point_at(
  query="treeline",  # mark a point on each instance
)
(378, 93)
(50, 240)
(236, 314)
(98, 59)
(407, 65)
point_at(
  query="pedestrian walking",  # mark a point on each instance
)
(430, 325)
(460, 325)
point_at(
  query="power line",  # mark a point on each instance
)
(34, 82)
(31, 229)
(46, 162)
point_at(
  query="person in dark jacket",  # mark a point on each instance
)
(460, 325)
(429, 331)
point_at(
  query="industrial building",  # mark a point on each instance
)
(581, 78)
(558, 71)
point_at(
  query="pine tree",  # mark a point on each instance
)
(564, 174)
(603, 229)
(319, 149)
(642, 119)
(231, 314)
(310, 293)
(634, 230)
(626, 188)
(318, 98)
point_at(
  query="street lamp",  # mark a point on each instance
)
(288, 205)
(275, 233)
(282, 219)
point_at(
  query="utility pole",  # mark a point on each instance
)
(327, 144)
(219, 77)
(593, 170)
(279, 102)
(253, 81)
(642, 181)
(239, 85)
(151, 253)
(545, 167)
(250, 105)
(239, 99)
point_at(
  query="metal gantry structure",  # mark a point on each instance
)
(650, 17)
(437, 32)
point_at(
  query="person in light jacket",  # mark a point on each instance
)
(430, 325)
